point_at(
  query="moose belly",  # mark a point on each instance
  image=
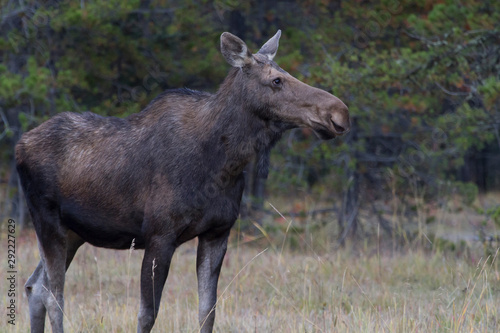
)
(103, 228)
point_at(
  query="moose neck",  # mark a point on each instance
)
(241, 131)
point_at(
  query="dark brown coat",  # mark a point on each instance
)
(160, 177)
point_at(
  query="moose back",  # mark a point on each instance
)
(162, 176)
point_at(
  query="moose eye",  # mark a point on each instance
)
(277, 82)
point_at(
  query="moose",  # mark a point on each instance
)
(161, 177)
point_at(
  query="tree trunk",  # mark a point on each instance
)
(348, 218)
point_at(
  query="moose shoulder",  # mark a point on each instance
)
(163, 176)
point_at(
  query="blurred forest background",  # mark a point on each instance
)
(420, 77)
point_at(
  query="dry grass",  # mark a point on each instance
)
(279, 290)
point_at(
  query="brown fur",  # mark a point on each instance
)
(160, 177)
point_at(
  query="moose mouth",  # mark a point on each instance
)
(326, 133)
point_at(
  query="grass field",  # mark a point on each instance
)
(274, 288)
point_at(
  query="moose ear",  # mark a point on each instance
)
(235, 51)
(271, 47)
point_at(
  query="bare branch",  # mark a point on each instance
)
(12, 14)
(452, 93)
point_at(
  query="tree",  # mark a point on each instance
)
(108, 58)
(421, 80)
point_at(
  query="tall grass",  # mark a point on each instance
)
(281, 289)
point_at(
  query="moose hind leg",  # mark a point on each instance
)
(37, 286)
(46, 286)
(55, 270)
(211, 251)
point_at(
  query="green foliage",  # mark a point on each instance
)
(467, 191)
(494, 214)
(430, 97)
(10, 84)
(421, 79)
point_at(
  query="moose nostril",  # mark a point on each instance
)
(338, 128)
(340, 122)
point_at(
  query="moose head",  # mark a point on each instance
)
(276, 95)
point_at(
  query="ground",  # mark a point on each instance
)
(268, 285)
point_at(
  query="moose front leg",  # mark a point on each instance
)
(211, 251)
(154, 271)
